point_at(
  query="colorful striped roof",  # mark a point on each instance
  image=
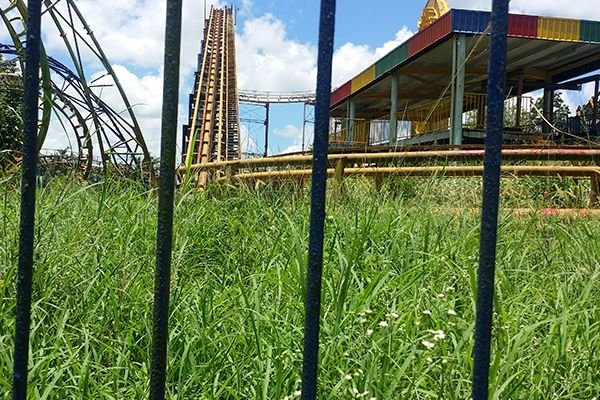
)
(470, 22)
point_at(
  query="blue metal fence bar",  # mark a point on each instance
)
(491, 193)
(317, 209)
(28, 181)
(166, 190)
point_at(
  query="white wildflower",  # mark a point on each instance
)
(369, 332)
(429, 360)
(441, 295)
(354, 390)
(362, 320)
(348, 377)
(360, 371)
(394, 315)
(427, 344)
(383, 324)
(439, 335)
(427, 312)
(368, 311)
(450, 289)
(297, 393)
(451, 312)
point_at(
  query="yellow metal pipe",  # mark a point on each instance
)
(512, 154)
(461, 171)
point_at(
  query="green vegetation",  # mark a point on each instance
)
(10, 111)
(398, 293)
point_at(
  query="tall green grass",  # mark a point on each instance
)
(400, 267)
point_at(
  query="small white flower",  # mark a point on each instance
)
(450, 289)
(394, 315)
(362, 320)
(383, 324)
(369, 311)
(346, 354)
(427, 344)
(372, 398)
(360, 371)
(286, 398)
(439, 335)
(427, 312)
(297, 393)
(451, 312)
(356, 374)
(441, 295)
(429, 360)
(348, 377)
(354, 390)
(369, 332)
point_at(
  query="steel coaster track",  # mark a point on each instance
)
(70, 95)
(213, 130)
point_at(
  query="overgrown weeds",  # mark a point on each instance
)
(398, 292)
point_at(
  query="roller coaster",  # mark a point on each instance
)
(409, 101)
(102, 135)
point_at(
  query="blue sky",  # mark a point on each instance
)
(276, 45)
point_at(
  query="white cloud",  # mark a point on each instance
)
(295, 133)
(248, 144)
(586, 9)
(350, 59)
(268, 60)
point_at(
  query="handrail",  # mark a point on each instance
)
(562, 154)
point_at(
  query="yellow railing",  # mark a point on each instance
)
(349, 131)
(430, 118)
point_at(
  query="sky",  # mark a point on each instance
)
(276, 43)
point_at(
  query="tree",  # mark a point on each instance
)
(11, 110)
(561, 112)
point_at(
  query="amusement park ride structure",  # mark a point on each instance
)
(443, 108)
(102, 134)
(412, 88)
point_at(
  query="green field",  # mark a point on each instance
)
(400, 268)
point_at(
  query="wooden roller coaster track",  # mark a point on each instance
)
(213, 130)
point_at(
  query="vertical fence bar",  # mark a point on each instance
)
(166, 190)
(26, 232)
(317, 209)
(491, 193)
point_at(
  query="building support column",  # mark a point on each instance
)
(352, 117)
(595, 116)
(394, 110)
(548, 107)
(458, 89)
(519, 101)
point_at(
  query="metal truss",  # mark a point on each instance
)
(257, 100)
(73, 97)
(254, 96)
